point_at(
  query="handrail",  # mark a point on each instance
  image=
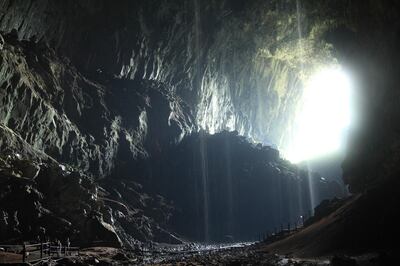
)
(42, 251)
(26, 245)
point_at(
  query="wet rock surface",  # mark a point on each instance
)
(55, 203)
(237, 255)
(49, 107)
(52, 201)
(205, 50)
(193, 48)
(98, 127)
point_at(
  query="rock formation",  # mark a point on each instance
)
(112, 116)
(238, 64)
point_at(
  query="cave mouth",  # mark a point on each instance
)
(187, 124)
(324, 116)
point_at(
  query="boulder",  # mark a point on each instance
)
(27, 168)
(98, 232)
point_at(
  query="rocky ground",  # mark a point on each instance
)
(226, 256)
(242, 255)
(329, 238)
(47, 200)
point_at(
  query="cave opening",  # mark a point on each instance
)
(325, 115)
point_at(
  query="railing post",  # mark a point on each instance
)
(41, 249)
(23, 253)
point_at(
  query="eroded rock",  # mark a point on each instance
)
(63, 203)
(51, 111)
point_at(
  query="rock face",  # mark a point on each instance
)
(118, 93)
(50, 113)
(48, 105)
(52, 201)
(237, 63)
(225, 189)
(196, 49)
(367, 43)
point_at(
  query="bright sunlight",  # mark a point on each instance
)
(324, 117)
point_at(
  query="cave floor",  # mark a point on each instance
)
(251, 255)
(244, 255)
(332, 240)
(238, 254)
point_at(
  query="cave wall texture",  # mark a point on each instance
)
(193, 46)
(51, 114)
(110, 88)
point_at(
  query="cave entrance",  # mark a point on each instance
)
(323, 117)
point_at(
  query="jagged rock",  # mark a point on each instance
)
(113, 114)
(99, 232)
(1, 42)
(28, 169)
(85, 123)
(117, 104)
(132, 212)
(63, 203)
(232, 79)
(3, 223)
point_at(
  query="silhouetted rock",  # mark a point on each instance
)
(325, 208)
(222, 185)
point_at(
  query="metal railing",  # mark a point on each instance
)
(37, 252)
(283, 230)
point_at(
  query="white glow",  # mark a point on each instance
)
(324, 117)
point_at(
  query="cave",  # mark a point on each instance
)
(188, 132)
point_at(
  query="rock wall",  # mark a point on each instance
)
(225, 189)
(367, 44)
(132, 167)
(49, 105)
(48, 201)
(99, 128)
(237, 63)
(111, 90)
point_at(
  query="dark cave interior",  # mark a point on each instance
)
(179, 123)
